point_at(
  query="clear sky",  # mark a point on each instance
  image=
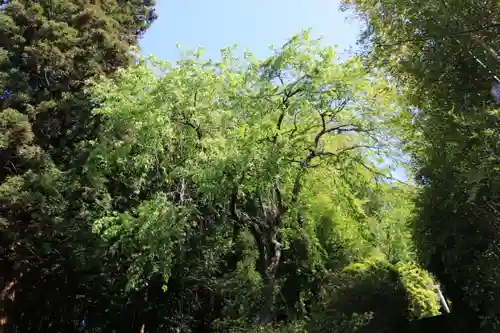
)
(256, 24)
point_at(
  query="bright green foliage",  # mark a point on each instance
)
(430, 50)
(388, 224)
(272, 162)
(373, 295)
(419, 286)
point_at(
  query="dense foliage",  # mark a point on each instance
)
(246, 195)
(443, 57)
(266, 172)
(51, 265)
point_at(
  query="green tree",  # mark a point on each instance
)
(265, 155)
(443, 57)
(48, 51)
(51, 261)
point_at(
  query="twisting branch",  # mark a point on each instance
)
(288, 93)
(196, 128)
(257, 235)
(284, 106)
(324, 129)
(314, 152)
(272, 266)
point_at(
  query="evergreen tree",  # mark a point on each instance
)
(51, 262)
(49, 49)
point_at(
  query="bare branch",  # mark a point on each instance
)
(275, 259)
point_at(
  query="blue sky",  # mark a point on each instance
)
(256, 24)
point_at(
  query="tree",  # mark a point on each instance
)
(276, 149)
(50, 259)
(49, 49)
(443, 56)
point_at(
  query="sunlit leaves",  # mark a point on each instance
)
(150, 235)
(285, 150)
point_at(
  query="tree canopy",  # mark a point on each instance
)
(240, 194)
(284, 152)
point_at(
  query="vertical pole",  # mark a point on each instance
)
(444, 304)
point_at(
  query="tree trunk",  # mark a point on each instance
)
(266, 311)
(269, 255)
(263, 223)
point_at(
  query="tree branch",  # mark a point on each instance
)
(234, 199)
(195, 127)
(257, 235)
(284, 105)
(297, 184)
(281, 207)
(324, 129)
(272, 267)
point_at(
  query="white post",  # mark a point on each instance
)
(442, 299)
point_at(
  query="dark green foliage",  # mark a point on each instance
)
(362, 301)
(430, 49)
(54, 269)
(48, 50)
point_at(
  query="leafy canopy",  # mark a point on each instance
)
(286, 150)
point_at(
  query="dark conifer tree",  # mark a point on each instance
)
(52, 267)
